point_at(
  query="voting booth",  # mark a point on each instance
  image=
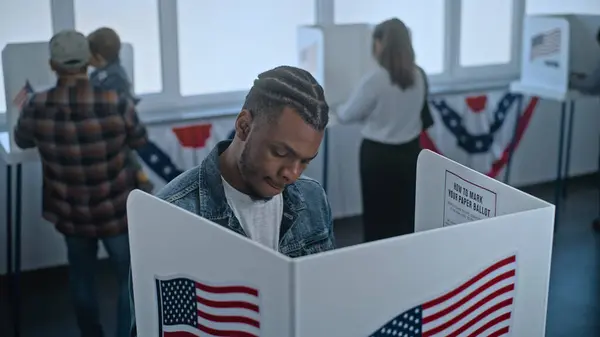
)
(28, 63)
(555, 47)
(479, 264)
(338, 56)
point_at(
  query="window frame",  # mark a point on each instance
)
(494, 72)
(170, 101)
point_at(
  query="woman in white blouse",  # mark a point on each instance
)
(388, 102)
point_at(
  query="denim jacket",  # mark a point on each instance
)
(306, 225)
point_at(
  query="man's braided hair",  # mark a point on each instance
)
(287, 86)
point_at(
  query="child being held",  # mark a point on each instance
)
(109, 74)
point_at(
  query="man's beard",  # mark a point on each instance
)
(247, 171)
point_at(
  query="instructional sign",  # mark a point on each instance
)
(465, 201)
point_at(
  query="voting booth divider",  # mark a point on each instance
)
(478, 264)
(319, 53)
(553, 48)
(338, 56)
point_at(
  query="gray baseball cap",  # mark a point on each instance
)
(70, 49)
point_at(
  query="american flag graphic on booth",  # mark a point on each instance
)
(546, 43)
(481, 306)
(190, 308)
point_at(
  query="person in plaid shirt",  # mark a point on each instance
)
(83, 134)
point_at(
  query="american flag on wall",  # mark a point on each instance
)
(23, 95)
(545, 44)
(481, 306)
(189, 308)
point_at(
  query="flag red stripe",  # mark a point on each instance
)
(490, 324)
(522, 125)
(224, 333)
(227, 289)
(20, 98)
(179, 334)
(471, 295)
(227, 304)
(470, 282)
(229, 319)
(507, 302)
(469, 310)
(499, 332)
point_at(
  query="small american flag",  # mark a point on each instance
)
(546, 43)
(23, 95)
(190, 308)
(481, 306)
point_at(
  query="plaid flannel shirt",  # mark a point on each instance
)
(83, 135)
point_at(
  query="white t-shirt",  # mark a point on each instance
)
(389, 114)
(260, 219)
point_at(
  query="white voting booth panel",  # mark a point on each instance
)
(450, 194)
(338, 56)
(584, 51)
(486, 277)
(22, 62)
(553, 47)
(205, 260)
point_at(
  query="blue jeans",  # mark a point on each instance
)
(82, 256)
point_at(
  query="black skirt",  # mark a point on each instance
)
(388, 176)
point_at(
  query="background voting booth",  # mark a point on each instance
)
(479, 263)
(553, 48)
(321, 48)
(36, 71)
(338, 56)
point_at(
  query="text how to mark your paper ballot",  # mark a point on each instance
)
(465, 201)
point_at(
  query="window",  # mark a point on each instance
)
(486, 32)
(224, 44)
(22, 21)
(195, 54)
(425, 18)
(136, 22)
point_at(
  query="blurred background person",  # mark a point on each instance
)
(83, 134)
(389, 103)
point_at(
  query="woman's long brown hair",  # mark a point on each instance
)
(397, 54)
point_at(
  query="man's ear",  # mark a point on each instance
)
(243, 124)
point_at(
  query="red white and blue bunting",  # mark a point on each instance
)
(479, 131)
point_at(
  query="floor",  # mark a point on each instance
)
(573, 308)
